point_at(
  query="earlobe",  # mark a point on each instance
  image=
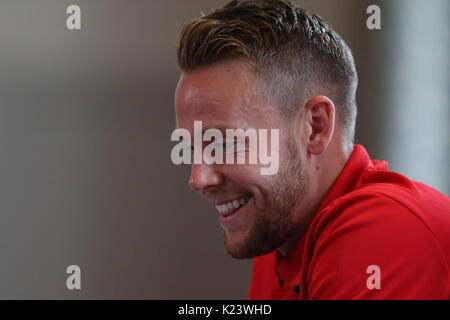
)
(320, 115)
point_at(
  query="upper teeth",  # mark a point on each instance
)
(224, 207)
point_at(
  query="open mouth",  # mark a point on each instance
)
(228, 208)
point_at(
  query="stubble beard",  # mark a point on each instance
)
(273, 222)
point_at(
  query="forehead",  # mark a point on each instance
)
(225, 91)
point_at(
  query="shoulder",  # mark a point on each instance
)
(374, 227)
(376, 217)
(389, 202)
(369, 209)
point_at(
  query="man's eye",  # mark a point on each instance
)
(229, 147)
(240, 146)
(234, 146)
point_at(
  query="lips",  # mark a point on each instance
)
(231, 206)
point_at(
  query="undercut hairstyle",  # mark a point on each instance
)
(293, 54)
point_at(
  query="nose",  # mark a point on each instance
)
(205, 178)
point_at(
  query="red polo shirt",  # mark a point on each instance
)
(376, 235)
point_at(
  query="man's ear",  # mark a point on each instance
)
(319, 115)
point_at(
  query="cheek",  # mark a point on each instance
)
(240, 174)
(248, 179)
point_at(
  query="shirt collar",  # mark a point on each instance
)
(349, 179)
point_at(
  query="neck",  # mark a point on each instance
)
(326, 175)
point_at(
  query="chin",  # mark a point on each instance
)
(236, 246)
(245, 247)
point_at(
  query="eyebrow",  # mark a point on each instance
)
(222, 129)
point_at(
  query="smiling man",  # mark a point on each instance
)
(332, 223)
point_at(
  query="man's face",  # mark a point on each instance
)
(223, 96)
